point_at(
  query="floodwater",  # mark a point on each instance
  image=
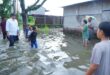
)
(58, 54)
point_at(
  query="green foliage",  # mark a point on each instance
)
(44, 29)
(31, 20)
(19, 18)
(34, 6)
(5, 8)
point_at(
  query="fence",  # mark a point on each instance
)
(51, 21)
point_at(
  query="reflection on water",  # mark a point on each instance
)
(58, 54)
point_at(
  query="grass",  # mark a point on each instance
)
(44, 30)
(21, 26)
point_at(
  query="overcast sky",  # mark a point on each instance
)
(55, 6)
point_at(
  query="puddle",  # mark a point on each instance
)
(58, 54)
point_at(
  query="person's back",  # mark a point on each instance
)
(103, 54)
(85, 32)
(3, 25)
(33, 38)
(33, 35)
(100, 59)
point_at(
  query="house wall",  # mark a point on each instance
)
(70, 17)
(90, 8)
(106, 16)
(71, 22)
(74, 14)
(106, 5)
(106, 11)
(70, 11)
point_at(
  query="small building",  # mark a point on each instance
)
(40, 11)
(51, 21)
(73, 14)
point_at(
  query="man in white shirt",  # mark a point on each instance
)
(92, 24)
(12, 29)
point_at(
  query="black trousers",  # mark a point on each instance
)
(4, 35)
(12, 39)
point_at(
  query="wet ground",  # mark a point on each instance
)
(58, 54)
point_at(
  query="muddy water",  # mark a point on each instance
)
(58, 54)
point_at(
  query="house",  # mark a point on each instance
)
(73, 14)
(40, 11)
(50, 20)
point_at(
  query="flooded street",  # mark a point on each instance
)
(58, 54)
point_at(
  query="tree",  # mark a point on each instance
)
(5, 8)
(25, 11)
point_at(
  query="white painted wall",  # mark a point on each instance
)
(70, 14)
(106, 11)
(106, 6)
(70, 22)
(71, 11)
(92, 9)
(106, 16)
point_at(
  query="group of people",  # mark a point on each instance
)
(100, 58)
(11, 31)
(88, 30)
(31, 34)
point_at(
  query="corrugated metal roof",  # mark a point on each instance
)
(89, 1)
(78, 3)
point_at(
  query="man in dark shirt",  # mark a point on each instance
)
(3, 27)
(32, 38)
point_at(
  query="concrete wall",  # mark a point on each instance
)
(70, 17)
(71, 11)
(106, 11)
(71, 22)
(74, 13)
(106, 5)
(90, 8)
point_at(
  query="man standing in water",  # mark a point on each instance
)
(12, 29)
(91, 28)
(3, 27)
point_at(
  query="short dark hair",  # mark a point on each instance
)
(33, 28)
(105, 27)
(85, 21)
(90, 18)
(13, 14)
